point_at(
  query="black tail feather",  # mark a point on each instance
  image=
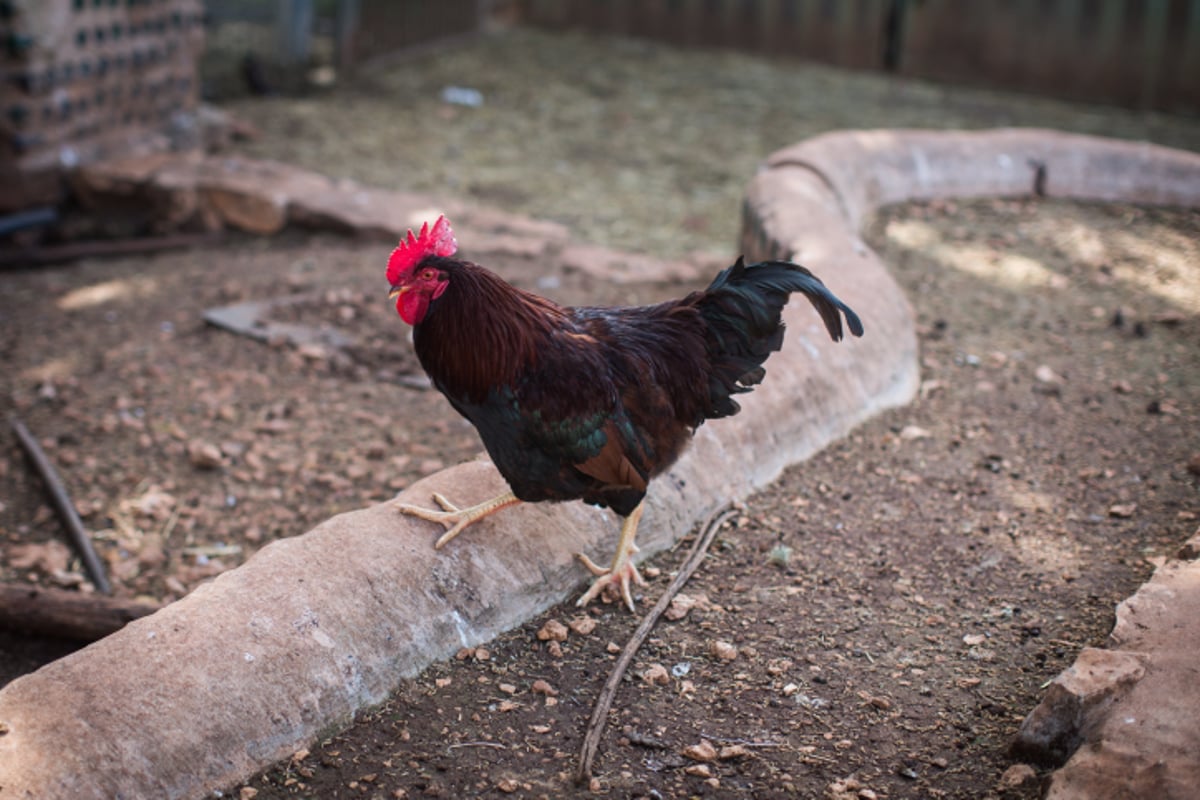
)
(742, 308)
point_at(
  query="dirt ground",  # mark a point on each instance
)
(892, 607)
(895, 604)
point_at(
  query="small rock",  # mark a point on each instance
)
(582, 625)
(552, 631)
(656, 675)
(49, 557)
(723, 650)
(247, 793)
(701, 752)
(1122, 510)
(507, 688)
(913, 432)
(204, 455)
(981, 654)
(612, 647)
(733, 751)
(542, 687)
(508, 785)
(681, 604)
(778, 666)
(1044, 374)
(1016, 776)
(313, 351)
(1074, 700)
(698, 770)
(780, 555)
(844, 789)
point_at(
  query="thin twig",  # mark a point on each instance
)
(63, 505)
(496, 745)
(604, 702)
(742, 742)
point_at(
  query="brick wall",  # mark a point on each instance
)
(84, 79)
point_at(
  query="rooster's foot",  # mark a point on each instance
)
(619, 576)
(455, 519)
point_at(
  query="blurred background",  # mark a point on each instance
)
(546, 107)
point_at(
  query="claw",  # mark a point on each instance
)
(622, 571)
(619, 576)
(456, 519)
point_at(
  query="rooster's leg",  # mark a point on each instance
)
(454, 518)
(622, 570)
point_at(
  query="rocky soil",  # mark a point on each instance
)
(875, 624)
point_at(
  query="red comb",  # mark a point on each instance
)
(435, 241)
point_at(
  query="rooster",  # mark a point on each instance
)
(588, 403)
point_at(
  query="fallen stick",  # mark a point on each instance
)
(63, 505)
(604, 702)
(101, 248)
(68, 615)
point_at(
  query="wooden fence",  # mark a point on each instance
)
(1139, 53)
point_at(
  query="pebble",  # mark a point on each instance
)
(701, 752)
(681, 604)
(730, 752)
(656, 675)
(204, 455)
(1016, 776)
(552, 631)
(1122, 510)
(723, 650)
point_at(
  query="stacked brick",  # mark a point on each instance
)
(82, 80)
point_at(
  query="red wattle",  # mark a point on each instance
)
(412, 306)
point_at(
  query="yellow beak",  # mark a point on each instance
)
(397, 291)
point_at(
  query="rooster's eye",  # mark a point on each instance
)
(428, 275)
